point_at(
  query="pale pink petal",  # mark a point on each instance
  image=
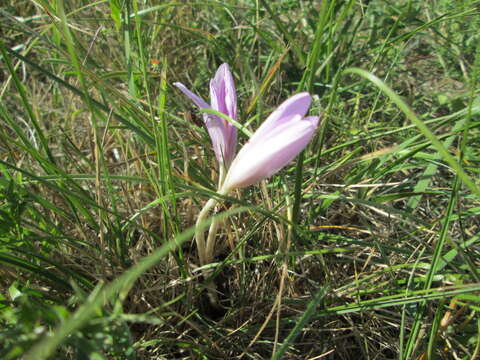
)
(295, 105)
(261, 159)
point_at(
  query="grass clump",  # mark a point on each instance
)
(366, 246)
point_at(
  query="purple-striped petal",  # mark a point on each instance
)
(202, 104)
(223, 95)
(223, 98)
(216, 131)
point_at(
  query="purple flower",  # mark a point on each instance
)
(281, 137)
(223, 98)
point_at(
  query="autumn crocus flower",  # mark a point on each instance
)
(281, 137)
(223, 98)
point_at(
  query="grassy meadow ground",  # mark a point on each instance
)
(366, 246)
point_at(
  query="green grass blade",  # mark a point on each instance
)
(306, 316)
(420, 124)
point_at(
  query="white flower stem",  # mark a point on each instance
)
(221, 176)
(212, 231)
(202, 255)
(202, 216)
(206, 249)
(199, 233)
